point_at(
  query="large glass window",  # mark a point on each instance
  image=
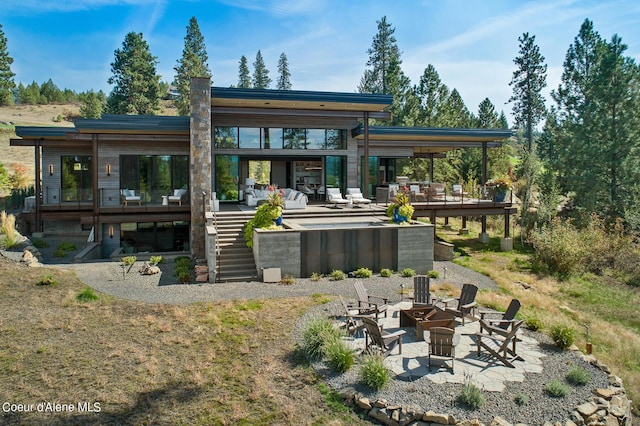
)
(154, 175)
(227, 177)
(295, 138)
(144, 237)
(77, 178)
(226, 137)
(372, 169)
(249, 137)
(336, 172)
(316, 139)
(336, 139)
(272, 138)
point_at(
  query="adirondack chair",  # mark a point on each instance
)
(421, 295)
(505, 318)
(353, 322)
(466, 303)
(383, 340)
(500, 342)
(367, 303)
(442, 343)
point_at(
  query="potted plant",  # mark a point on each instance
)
(268, 216)
(500, 186)
(400, 209)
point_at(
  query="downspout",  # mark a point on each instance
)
(94, 148)
(484, 182)
(39, 225)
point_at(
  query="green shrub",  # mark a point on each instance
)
(563, 336)
(316, 276)
(373, 373)
(533, 323)
(87, 295)
(184, 277)
(183, 261)
(59, 253)
(386, 273)
(317, 333)
(408, 272)
(337, 275)
(66, 246)
(578, 376)
(339, 356)
(363, 273)
(40, 244)
(288, 280)
(47, 280)
(556, 389)
(471, 395)
(155, 260)
(433, 274)
(522, 399)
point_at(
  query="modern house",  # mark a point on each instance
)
(145, 183)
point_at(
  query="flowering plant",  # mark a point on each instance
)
(400, 206)
(502, 183)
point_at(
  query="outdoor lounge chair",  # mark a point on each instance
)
(500, 342)
(367, 303)
(127, 195)
(356, 196)
(457, 191)
(383, 340)
(353, 322)
(421, 295)
(178, 196)
(505, 318)
(416, 194)
(466, 303)
(442, 343)
(334, 196)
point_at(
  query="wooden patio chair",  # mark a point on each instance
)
(500, 342)
(381, 339)
(368, 303)
(466, 303)
(421, 295)
(442, 343)
(353, 322)
(505, 318)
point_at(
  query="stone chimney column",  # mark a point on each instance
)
(199, 161)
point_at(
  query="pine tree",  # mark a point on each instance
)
(433, 95)
(383, 53)
(261, 78)
(92, 104)
(284, 76)
(244, 76)
(528, 81)
(137, 88)
(7, 85)
(192, 64)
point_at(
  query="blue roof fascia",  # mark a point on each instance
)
(44, 132)
(401, 132)
(301, 96)
(120, 123)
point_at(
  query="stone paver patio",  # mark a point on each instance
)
(485, 371)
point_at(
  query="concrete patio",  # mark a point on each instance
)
(485, 371)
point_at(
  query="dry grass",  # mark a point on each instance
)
(610, 310)
(206, 363)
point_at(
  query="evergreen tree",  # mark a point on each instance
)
(455, 113)
(487, 115)
(50, 93)
(192, 64)
(384, 52)
(244, 76)
(503, 123)
(528, 81)
(7, 85)
(284, 76)
(137, 88)
(92, 104)
(261, 78)
(432, 94)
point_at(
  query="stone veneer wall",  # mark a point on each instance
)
(200, 161)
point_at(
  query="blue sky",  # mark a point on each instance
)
(471, 43)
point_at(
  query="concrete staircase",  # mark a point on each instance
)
(235, 259)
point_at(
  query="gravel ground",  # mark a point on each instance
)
(108, 277)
